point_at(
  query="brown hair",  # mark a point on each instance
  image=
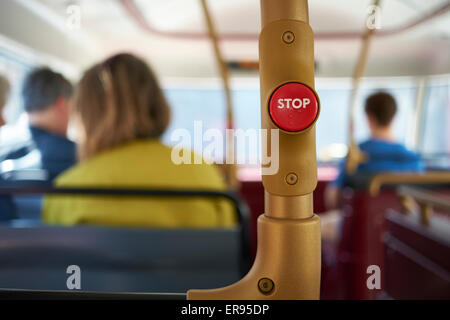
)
(118, 101)
(381, 106)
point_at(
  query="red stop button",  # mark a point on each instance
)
(293, 107)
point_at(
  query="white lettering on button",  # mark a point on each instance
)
(296, 103)
(280, 104)
(299, 103)
(288, 102)
(306, 101)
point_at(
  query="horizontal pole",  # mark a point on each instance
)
(425, 197)
(45, 188)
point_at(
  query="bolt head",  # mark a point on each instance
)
(291, 178)
(265, 285)
(288, 37)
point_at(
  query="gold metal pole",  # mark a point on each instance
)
(230, 169)
(385, 178)
(288, 259)
(426, 211)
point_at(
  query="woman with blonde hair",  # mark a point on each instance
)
(121, 112)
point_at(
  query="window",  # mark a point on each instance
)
(14, 69)
(207, 103)
(435, 127)
(436, 120)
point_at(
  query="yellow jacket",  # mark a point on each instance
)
(140, 164)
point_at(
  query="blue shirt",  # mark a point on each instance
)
(57, 153)
(383, 156)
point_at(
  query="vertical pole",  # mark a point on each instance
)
(287, 264)
(230, 169)
(418, 118)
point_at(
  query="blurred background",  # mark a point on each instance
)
(409, 58)
(171, 35)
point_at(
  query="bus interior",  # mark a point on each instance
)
(218, 63)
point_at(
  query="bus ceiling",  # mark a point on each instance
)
(352, 15)
(137, 13)
(415, 43)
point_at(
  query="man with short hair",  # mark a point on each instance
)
(383, 153)
(46, 97)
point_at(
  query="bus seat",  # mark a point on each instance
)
(360, 243)
(361, 230)
(34, 256)
(27, 206)
(417, 257)
(253, 193)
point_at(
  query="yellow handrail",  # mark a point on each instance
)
(430, 177)
(230, 170)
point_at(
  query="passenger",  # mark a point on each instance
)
(7, 209)
(46, 97)
(121, 113)
(383, 153)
